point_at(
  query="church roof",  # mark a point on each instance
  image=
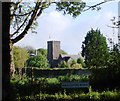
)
(73, 57)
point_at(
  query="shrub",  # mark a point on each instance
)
(108, 95)
(94, 96)
(52, 81)
(63, 64)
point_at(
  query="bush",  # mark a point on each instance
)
(52, 81)
(108, 95)
(16, 80)
(63, 64)
(71, 78)
(103, 78)
(94, 96)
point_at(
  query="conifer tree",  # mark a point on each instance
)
(94, 49)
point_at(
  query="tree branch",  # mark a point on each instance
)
(37, 12)
(94, 6)
(22, 14)
(33, 16)
(15, 8)
(19, 27)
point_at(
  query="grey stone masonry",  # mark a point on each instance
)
(53, 52)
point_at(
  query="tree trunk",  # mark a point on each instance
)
(6, 89)
(20, 72)
(12, 66)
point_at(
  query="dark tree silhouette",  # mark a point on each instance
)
(5, 52)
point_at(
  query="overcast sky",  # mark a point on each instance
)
(71, 32)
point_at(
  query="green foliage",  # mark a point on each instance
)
(107, 76)
(31, 11)
(50, 89)
(70, 7)
(42, 51)
(73, 78)
(94, 49)
(63, 64)
(52, 81)
(103, 78)
(81, 61)
(63, 52)
(71, 64)
(40, 60)
(93, 96)
(108, 95)
(114, 57)
(16, 80)
(20, 56)
(37, 61)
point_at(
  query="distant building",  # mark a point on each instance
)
(54, 56)
(53, 53)
(67, 58)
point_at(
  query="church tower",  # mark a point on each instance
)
(53, 48)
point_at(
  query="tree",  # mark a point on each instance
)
(63, 64)
(73, 64)
(37, 61)
(20, 58)
(63, 52)
(94, 49)
(40, 60)
(6, 88)
(42, 51)
(114, 57)
(81, 61)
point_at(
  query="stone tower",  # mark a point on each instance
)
(53, 48)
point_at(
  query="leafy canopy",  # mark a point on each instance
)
(20, 56)
(24, 15)
(37, 61)
(94, 49)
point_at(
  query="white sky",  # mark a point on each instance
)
(71, 32)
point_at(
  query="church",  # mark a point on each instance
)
(54, 56)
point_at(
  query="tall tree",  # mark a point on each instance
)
(81, 61)
(6, 52)
(42, 51)
(94, 49)
(20, 58)
(114, 57)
